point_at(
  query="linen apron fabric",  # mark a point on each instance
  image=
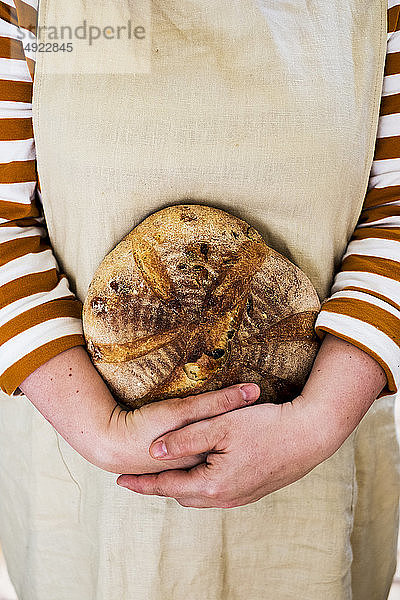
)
(269, 111)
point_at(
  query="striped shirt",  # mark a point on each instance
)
(41, 317)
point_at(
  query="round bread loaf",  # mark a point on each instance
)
(192, 300)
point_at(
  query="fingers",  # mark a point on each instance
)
(195, 488)
(156, 487)
(178, 412)
(174, 483)
(204, 503)
(196, 438)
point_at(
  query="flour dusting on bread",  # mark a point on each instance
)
(192, 300)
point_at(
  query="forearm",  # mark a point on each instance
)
(68, 390)
(343, 384)
(72, 396)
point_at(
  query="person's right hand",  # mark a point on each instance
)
(72, 396)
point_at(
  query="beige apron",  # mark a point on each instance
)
(268, 110)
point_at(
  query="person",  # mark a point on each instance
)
(304, 495)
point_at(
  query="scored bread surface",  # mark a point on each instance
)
(193, 300)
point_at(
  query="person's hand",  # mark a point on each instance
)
(252, 452)
(128, 435)
(259, 449)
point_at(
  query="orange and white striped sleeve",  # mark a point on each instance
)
(39, 315)
(364, 305)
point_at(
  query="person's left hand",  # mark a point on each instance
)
(253, 451)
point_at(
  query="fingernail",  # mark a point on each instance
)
(249, 391)
(159, 449)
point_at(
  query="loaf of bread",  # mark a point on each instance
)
(192, 300)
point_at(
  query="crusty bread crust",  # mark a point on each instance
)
(193, 299)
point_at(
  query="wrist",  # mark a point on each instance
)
(343, 384)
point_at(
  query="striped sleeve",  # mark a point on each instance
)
(39, 315)
(364, 305)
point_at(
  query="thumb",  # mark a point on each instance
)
(193, 439)
(178, 412)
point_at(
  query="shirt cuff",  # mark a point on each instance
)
(363, 324)
(18, 372)
(28, 349)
